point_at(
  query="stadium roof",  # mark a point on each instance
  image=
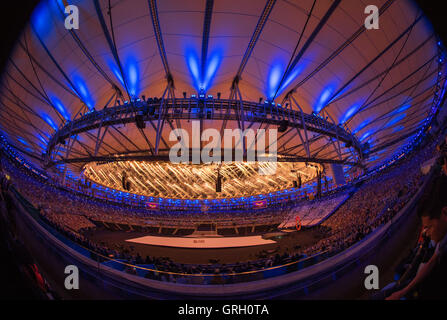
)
(380, 84)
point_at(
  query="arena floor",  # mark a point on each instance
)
(289, 243)
(203, 243)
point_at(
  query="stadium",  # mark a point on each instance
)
(211, 149)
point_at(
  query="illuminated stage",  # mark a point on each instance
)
(204, 242)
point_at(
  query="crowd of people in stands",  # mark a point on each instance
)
(61, 201)
(311, 213)
(375, 202)
(371, 206)
(75, 222)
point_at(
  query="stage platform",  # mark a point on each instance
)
(203, 242)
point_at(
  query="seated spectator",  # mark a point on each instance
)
(431, 280)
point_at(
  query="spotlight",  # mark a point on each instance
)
(184, 95)
(260, 100)
(218, 95)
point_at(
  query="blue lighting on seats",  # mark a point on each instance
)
(60, 107)
(81, 88)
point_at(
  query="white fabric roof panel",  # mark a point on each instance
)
(24, 92)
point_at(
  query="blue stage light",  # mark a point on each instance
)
(59, 107)
(211, 68)
(192, 61)
(396, 120)
(133, 76)
(362, 126)
(202, 82)
(42, 139)
(41, 19)
(82, 90)
(273, 80)
(275, 75)
(49, 121)
(115, 70)
(401, 109)
(324, 98)
(350, 113)
(22, 141)
(366, 135)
